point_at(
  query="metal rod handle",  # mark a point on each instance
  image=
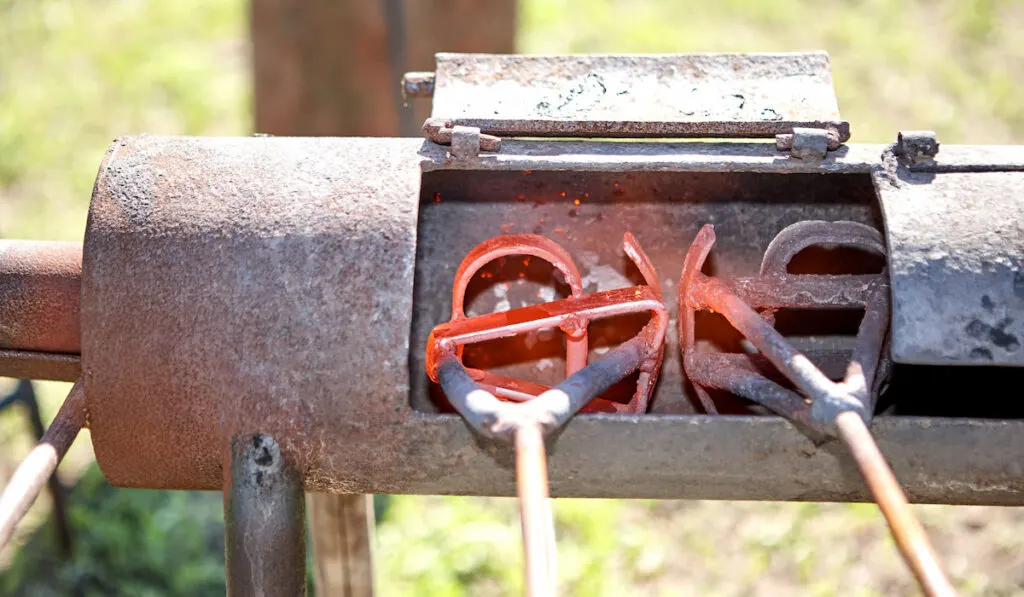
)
(41, 462)
(535, 511)
(910, 537)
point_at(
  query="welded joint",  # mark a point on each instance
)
(808, 143)
(825, 399)
(916, 147)
(501, 420)
(571, 315)
(466, 142)
(825, 409)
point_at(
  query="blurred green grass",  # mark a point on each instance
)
(75, 74)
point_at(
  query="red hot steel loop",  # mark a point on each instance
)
(529, 410)
(839, 409)
(572, 315)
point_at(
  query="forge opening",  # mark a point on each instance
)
(587, 213)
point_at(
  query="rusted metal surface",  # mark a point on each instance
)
(264, 520)
(202, 241)
(956, 262)
(231, 274)
(33, 472)
(572, 315)
(703, 95)
(40, 283)
(21, 364)
(460, 138)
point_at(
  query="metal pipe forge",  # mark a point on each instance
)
(266, 316)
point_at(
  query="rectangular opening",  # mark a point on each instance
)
(587, 213)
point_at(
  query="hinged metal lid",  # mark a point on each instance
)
(670, 95)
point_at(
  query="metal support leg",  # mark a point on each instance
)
(264, 519)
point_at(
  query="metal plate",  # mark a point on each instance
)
(669, 95)
(956, 260)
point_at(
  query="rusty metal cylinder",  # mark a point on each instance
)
(40, 285)
(240, 286)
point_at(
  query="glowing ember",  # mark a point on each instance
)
(576, 201)
(437, 197)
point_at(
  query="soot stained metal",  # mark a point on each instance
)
(840, 409)
(283, 289)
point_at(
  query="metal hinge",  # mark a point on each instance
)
(478, 98)
(466, 141)
(808, 143)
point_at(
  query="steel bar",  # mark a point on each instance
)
(810, 233)
(492, 417)
(835, 409)
(698, 291)
(22, 364)
(535, 246)
(525, 424)
(910, 537)
(264, 520)
(862, 374)
(26, 395)
(534, 510)
(33, 472)
(797, 367)
(801, 291)
(491, 326)
(572, 315)
(712, 371)
(40, 285)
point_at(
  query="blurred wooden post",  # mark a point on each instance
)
(324, 67)
(333, 68)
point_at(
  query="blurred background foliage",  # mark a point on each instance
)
(76, 73)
